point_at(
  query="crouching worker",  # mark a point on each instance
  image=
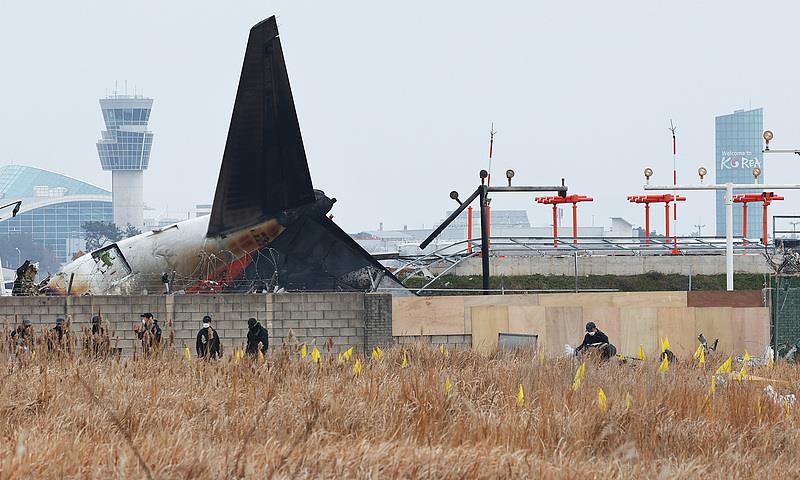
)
(595, 339)
(207, 344)
(257, 338)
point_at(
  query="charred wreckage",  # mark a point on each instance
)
(268, 230)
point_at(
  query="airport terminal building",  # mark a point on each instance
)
(54, 208)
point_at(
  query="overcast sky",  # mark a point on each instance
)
(395, 101)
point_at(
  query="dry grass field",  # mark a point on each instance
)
(169, 417)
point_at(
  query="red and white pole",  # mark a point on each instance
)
(489, 182)
(674, 182)
(469, 229)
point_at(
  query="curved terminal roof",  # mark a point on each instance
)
(21, 181)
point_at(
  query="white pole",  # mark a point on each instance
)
(729, 235)
(2, 281)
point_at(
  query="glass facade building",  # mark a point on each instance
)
(54, 208)
(738, 151)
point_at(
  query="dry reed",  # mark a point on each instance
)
(71, 416)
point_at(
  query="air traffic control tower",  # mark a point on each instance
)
(125, 150)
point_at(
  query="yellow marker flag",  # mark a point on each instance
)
(628, 401)
(303, 351)
(742, 374)
(541, 357)
(664, 364)
(641, 352)
(315, 355)
(448, 385)
(405, 360)
(443, 350)
(340, 358)
(347, 354)
(33, 355)
(770, 363)
(665, 344)
(745, 358)
(699, 351)
(579, 374)
(357, 367)
(520, 396)
(786, 406)
(702, 361)
(725, 367)
(236, 357)
(261, 358)
(713, 384)
(602, 401)
(187, 353)
(377, 353)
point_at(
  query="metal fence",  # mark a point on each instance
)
(785, 299)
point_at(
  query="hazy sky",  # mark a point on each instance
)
(395, 101)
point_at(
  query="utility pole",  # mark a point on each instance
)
(699, 228)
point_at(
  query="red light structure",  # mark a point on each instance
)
(555, 201)
(765, 197)
(666, 199)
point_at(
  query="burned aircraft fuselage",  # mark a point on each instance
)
(298, 250)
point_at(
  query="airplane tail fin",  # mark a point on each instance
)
(264, 167)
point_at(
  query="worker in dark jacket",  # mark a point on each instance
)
(22, 337)
(23, 333)
(257, 338)
(55, 341)
(595, 338)
(149, 333)
(207, 341)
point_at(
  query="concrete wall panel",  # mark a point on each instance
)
(679, 326)
(487, 322)
(428, 316)
(639, 326)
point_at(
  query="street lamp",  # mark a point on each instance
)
(19, 257)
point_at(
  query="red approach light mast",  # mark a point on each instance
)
(555, 201)
(765, 197)
(647, 200)
(673, 128)
(489, 183)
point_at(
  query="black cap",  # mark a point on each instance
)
(147, 315)
(96, 319)
(207, 319)
(590, 326)
(251, 322)
(59, 321)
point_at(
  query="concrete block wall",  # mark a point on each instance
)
(313, 318)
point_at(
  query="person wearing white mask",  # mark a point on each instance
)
(593, 337)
